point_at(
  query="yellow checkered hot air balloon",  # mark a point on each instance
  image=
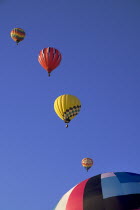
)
(17, 34)
(67, 107)
(87, 163)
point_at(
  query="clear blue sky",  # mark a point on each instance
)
(99, 40)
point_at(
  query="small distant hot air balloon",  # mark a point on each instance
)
(17, 34)
(67, 107)
(49, 58)
(87, 163)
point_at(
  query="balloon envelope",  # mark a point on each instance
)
(108, 191)
(49, 58)
(87, 163)
(67, 107)
(17, 34)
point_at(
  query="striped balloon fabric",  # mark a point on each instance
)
(17, 34)
(108, 191)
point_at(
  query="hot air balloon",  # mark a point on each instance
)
(108, 191)
(49, 58)
(87, 163)
(17, 34)
(67, 107)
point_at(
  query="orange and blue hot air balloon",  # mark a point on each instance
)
(87, 163)
(17, 34)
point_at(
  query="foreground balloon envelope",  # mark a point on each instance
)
(108, 191)
(17, 34)
(67, 107)
(49, 58)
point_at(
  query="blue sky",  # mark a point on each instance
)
(99, 40)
